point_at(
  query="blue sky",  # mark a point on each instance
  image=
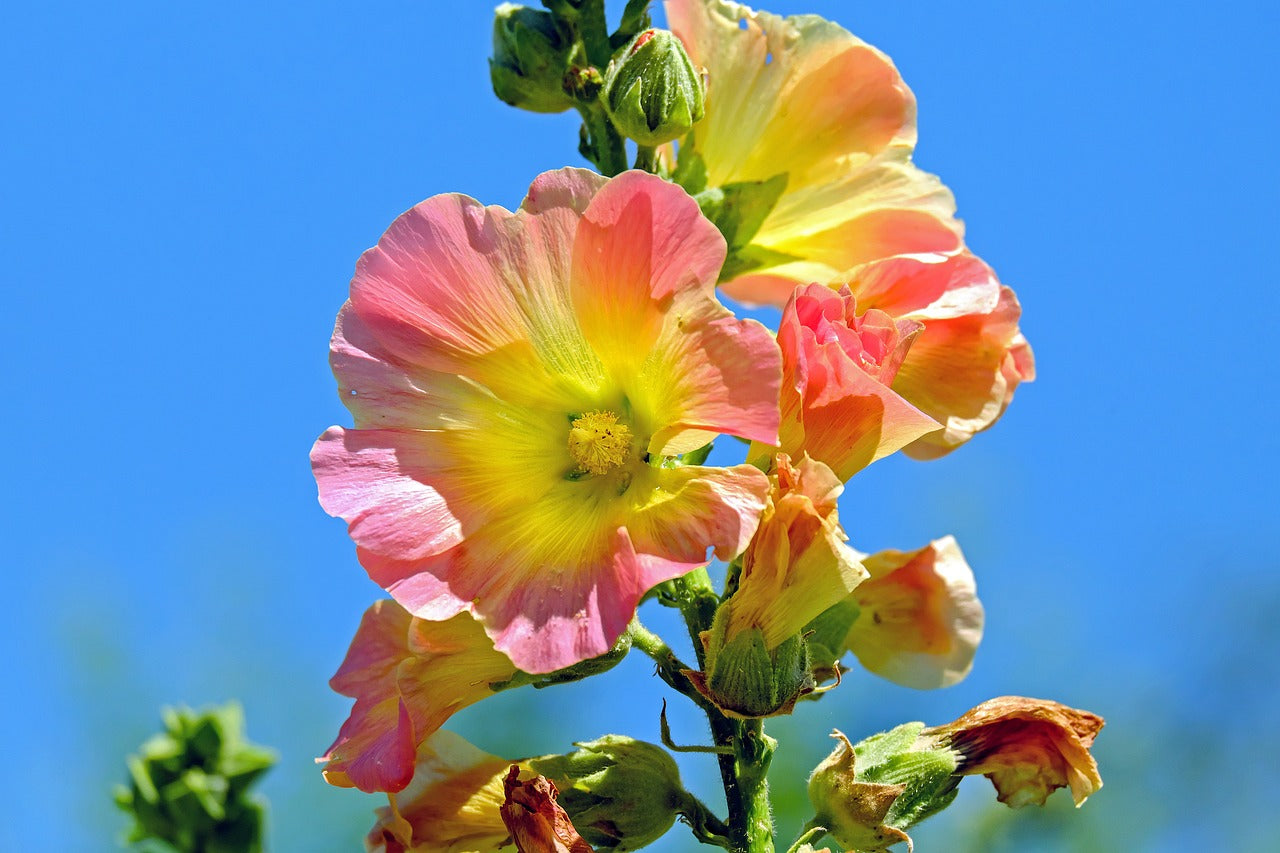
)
(188, 186)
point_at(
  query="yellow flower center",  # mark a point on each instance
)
(598, 442)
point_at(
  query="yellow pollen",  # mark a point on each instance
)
(598, 443)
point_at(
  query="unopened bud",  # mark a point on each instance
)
(744, 678)
(622, 793)
(652, 91)
(530, 59)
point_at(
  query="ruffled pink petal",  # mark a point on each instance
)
(926, 286)
(564, 188)
(724, 375)
(835, 405)
(642, 242)
(379, 482)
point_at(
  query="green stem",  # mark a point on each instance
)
(604, 146)
(811, 832)
(647, 158)
(670, 668)
(745, 749)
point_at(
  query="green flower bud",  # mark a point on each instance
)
(621, 793)
(652, 91)
(189, 786)
(868, 794)
(530, 59)
(746, 679)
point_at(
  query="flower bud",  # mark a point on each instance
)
(868, 794)
(530, 59)
(652, 91)
(623, 794)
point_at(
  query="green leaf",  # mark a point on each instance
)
(739, 209)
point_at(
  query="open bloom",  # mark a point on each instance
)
(837, 402)
(916, 622)
(804, 98)
(407, 676)
(519, 384)
(1028, 748)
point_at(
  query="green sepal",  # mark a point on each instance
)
(744, 678)
(531, 58)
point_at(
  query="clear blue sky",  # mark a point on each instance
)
(186, 188)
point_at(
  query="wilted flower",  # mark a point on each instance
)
(537, 822)
(801, 99)
(520, 384)
(407, 676)
(838, 366)
(916, 622)
(1028, 748)
(796, 566)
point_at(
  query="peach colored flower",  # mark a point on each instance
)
(1028, 748)
(969, 356)
(804, 98)
(916, 622)
(521, 384)
(407, 676)
(837, 402)
(537, 822)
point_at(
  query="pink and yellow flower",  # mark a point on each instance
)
(837, 400)
(407, 676)
(520, 383)
(802, 96)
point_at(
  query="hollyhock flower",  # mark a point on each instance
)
(1028, 748)
(796, 567)
(969, 356)
(804, 98)
(837, 402)
(521, 383)
(916, 622)
(453, 803)
(407, 676)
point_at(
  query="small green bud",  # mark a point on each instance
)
(869, 794)
(746, 679)
(530, 59)
(189, 786)
(652, 91)
(621, 793)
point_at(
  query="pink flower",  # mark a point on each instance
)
(838, 367)
(521, 384)
(407, 676)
